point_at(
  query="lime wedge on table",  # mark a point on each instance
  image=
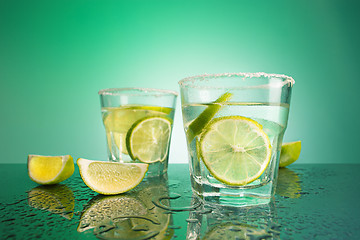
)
(205, 117)
(110, 178)
(235, 149)
(290, 152)
(118, 120)
(148, 139)
(50, 169)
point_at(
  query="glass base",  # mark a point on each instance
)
(237, 197)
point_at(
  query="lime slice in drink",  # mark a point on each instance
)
(111, 178)
(50, 169)
(290, 152)
(205, 117)
(235, 149)
(118, 121)
(148, 139)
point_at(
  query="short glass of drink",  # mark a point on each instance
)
(234, 124)
(138, 124)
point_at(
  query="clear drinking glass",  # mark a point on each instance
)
(234, 124)
(138, 124)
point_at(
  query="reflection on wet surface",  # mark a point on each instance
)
(311, 202)
(289, 184)
(131, 215)
(58, 199)
(255, 222)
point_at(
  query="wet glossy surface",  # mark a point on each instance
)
(312, 202)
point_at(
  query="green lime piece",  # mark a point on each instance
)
(118, 121)
(148, 139)
(110, 178)
(235, 149)
(205, 117)
(290, 152)
(48, 170)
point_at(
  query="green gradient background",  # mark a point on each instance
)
(56, 55)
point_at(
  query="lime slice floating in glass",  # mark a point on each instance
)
(235, 149)
(111, 178)
(290, 152)
(118, 121)
(196, 126)
(148, 139)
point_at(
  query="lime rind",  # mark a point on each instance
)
(217, 150)
(100, 176)
(148, 139)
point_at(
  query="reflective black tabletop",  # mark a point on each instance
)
(311, 202)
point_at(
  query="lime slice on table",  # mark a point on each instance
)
(148, 139)
(50, 169)
(290, 152)
(196, 126)
(110, 178)
(235, 149)
(118, 121)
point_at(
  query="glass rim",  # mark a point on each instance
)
(119, 91)
(190, 81)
